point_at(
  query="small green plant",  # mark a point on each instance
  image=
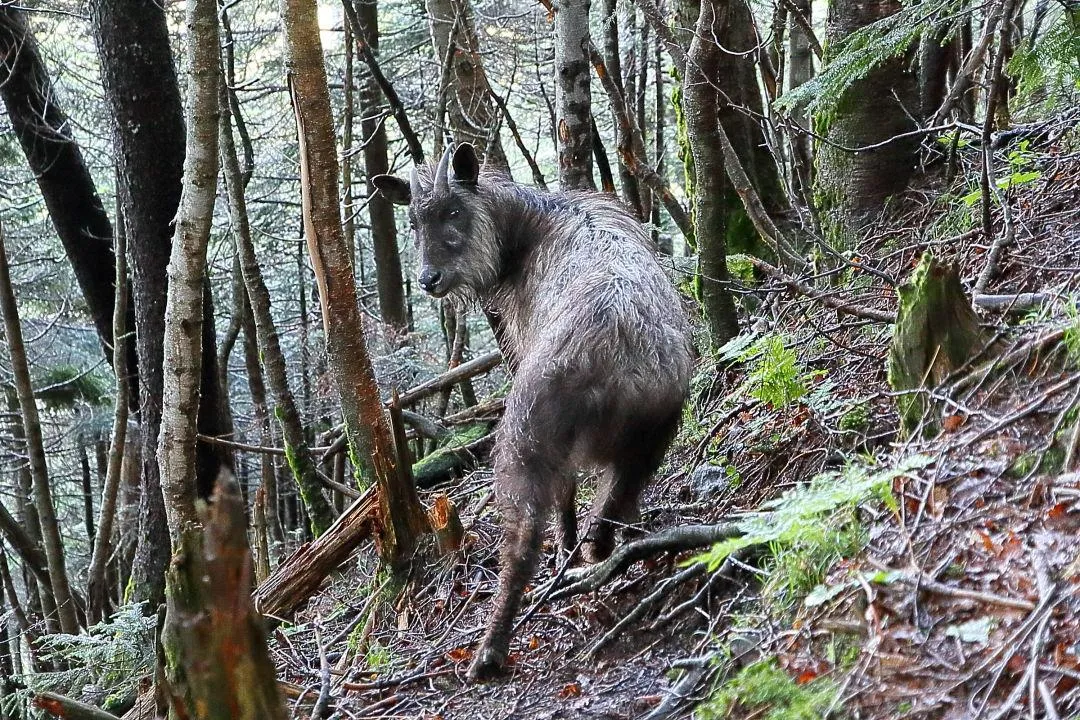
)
(775, 378)
(765, 687)
(856, 419)
(797, 568)
(796, 517)
(378, 657)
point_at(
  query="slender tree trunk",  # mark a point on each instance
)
(613, 59)
(573, 95)
(137, 70)
(800, 71)
(97, 586)
(663, 241)
(711, 186)
(392, 308)
(39, 471)
(365, 424)
(474, 117)
(851, 186)
(740, 108)
(296, 447)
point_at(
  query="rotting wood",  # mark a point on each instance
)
(64, 707)
(301, 574)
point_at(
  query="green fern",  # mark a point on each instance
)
(1047, 73)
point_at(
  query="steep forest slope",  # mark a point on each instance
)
(881, 576)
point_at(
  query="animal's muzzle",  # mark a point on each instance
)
(430, 279)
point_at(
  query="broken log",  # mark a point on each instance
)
(68, 708)
(301, 574)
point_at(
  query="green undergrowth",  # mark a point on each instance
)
(809, 527)
(764, 690)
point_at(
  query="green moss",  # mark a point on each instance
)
(764, 690)
(740, 267)
(310, 493)
(856, 419)
(448, 456)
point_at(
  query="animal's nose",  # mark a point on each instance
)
(429, 279)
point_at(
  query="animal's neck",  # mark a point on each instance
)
(523, 219)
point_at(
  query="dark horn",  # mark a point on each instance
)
(442, 177)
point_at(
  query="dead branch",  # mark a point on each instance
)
(676, 539)
(416, 150)
(800, 287)
(65, 707)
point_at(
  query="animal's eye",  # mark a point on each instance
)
(453, 214)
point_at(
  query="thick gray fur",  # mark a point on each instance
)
(596, 337)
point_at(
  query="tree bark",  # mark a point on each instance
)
(613, 59)
(380, 210)
(740, 108)
(402, 518)
(711, 186)
(800, 71)
(299, 456)
(35, 447)
(851, 186)
(97, 586)
(474, 117)
(44, 133)
(573, 95)
(141, 88)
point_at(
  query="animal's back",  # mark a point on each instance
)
(600, 324)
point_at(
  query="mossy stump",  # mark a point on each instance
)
(936, 332)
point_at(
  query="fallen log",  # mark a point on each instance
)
(299, 577)
(69, 708)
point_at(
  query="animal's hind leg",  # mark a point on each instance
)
(567, 512)
(525, 500)
(617, 500)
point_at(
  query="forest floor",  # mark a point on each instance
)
(927, 577)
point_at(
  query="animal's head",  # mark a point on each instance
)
(451, 224)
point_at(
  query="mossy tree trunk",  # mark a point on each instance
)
(711, 186)
(936, 332)
(371, 444)
(851, 186)
(297, 451)
(740, 107)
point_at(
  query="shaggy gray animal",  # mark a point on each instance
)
(596, 338)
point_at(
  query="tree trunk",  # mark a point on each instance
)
(44, 132)
(740, 106)
(573, 96)
(380, 210)
(711, 187)
(299, 455)
(35, 448)
(402, 517)
(851, 187)
(97, 586)
(663, 241)
(800, 71)
(613, 59)
(141, 88)
(474, 117)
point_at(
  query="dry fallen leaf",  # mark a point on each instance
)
(460, 654)
(571, 690)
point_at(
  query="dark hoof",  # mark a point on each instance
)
(487, 664)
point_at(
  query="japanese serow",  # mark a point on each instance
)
(594, 334)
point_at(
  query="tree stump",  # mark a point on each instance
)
(936, 332)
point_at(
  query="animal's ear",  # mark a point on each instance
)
(395, 189)
(465, 164)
